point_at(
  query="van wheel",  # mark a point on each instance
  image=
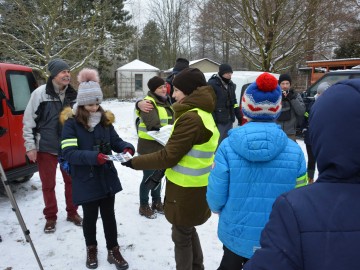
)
(23, 179)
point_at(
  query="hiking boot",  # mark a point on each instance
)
(146, 211)
(114, 257)
(50, 226)
(91, 257)
(76, 219)
(158, 207)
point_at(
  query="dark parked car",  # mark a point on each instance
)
(331, 78)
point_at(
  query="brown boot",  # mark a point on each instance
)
(310, 180)
(146, 211)
(50, 226)
(91, 257)
(158, 207)
(114, 257)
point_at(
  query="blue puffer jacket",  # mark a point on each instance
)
(253, 166)
(91, 181)
(318, 227)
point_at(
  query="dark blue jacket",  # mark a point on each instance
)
(91, 181)
(318, 227)
(305, 127)
(227, 107)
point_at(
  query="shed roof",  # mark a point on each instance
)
(138, 65)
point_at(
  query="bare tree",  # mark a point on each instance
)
(34, 31)
(170, 16)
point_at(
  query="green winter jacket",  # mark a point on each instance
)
(184, 206)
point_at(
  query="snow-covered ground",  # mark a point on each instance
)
(145, 244)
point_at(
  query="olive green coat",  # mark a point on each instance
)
(183, 206)
(152, 120)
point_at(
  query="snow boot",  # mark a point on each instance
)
(91, 257)
(146, 211)
(158, 207)
(50, 226)
(115, 257)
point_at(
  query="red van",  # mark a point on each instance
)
(16, 84)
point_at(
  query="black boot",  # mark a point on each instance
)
(91, 257)
(114, 257)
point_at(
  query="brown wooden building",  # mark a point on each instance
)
(319, 68)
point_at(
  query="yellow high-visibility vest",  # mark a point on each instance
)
(163, 116)
(194, 168)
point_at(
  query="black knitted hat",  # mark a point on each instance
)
(189, 79)
(154, 83)
(180, 64)
(284, 77)
(225, 68)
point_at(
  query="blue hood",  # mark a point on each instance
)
(335, 132)
(259, 141)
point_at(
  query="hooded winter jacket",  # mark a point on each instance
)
(254, 165)
(184, 206)
(91, 181)
(318, 227)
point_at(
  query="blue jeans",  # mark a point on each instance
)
(144, 191)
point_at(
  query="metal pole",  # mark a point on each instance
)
(15, 208)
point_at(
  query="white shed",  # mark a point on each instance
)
(132, 78)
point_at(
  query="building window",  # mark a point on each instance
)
(138, 82)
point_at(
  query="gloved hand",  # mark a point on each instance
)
(101, 158)
(128, 150)
(128, 164)
(291, 95)
(155, 129)
(154, 180)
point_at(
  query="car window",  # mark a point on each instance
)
(329, 79)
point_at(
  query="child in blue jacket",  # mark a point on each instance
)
(88, 137)
(254, 165)
(318, 227)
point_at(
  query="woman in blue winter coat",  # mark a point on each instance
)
(318, 227)
(88, 137)
(254, 165)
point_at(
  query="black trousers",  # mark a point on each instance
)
(231, 261)
(91, 212)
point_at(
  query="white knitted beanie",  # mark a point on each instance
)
(89, 91)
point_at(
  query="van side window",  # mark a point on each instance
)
(20, 87)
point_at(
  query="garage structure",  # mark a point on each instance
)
(132, 78)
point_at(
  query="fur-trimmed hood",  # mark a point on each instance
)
(69, 113)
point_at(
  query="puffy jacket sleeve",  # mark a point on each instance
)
(30, 115)
(218, 187)
(280, 241)
(118, 144)
(298, 105)
(301, 179)
(69, 147)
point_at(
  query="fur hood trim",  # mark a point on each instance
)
(68, 113)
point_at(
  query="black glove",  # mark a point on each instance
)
(128, 164)
(154, 180)
(155, 129)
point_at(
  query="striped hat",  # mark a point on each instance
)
(262, 99)
(89, 91)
